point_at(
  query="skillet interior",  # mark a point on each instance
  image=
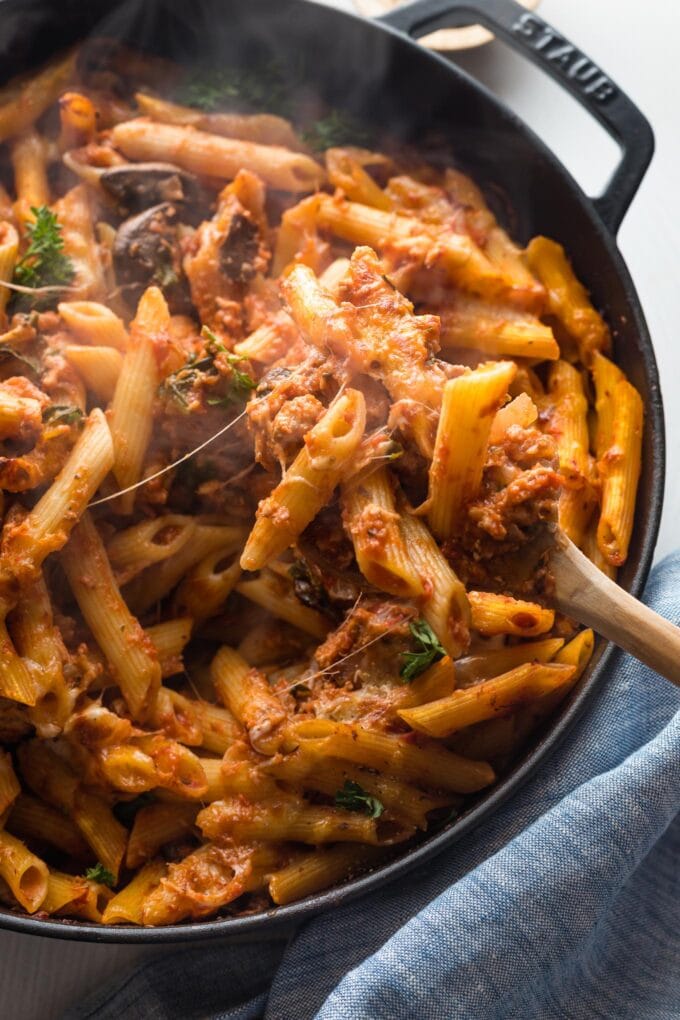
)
(385, 80)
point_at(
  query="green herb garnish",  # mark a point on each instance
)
(7, 351)
(62, 414)
(240, 383)
(429, 650)
(263, 88)
(100, 874)
(165, 274)
(338, 128)
(44, 263)
(180, 383)
(353, 798)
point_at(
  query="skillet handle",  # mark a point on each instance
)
(541, 44)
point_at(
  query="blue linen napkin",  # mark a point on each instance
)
(565, 904)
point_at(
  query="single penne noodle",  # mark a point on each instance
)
(489, 664)
(25, 874)
(577, 652)
(436, 682)
(73, 896)
(173, 712)
(212, 155)
(277, 597)
(22, 102)
(212, 767)
(370, 517)
(169, 639)
(98, 367)
(445, 606)
(131, 413)
(346, 172)
(48, 775)
(74, 212)
(33, 819)
(160, 579)
(568, 299)
(487, 699)
(130, 654)
(48, 525)
(469, 406)
(207, 586)
(520, 411)
(247, 695)
(568, 421)
(313, 872)
(10, 788)
(605, 375)
(154, 826)
(233, 871)
(78, 120)
(287, 818)
(264, 128)
(619, 469)
(29, 164)
(128, 904)
(268, 342)
(430, 765)
(309, 482)
(101, 829)
(16, 682)
(219, 728)
(591, 548)
(93, 323)
(150, 541)
(473, 324)
(9, 249)
(333, 274)
(41, 646)
(502, 614)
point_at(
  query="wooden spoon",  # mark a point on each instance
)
(585, 594)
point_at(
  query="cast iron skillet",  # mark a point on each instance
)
(377, 71)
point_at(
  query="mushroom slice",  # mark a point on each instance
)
(146, 252)
(136, 186)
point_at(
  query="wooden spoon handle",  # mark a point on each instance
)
(587, 595)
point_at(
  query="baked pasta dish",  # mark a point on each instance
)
(286, 419)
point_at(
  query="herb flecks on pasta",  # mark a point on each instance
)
(285, 423)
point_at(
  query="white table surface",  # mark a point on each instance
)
(40, 977)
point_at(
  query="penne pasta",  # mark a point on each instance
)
(47, 527)
(131, 413)
(445, 606)
(215, 156)
(487, 699)
(129, 652)
(9, 250)
(313, 872)
(98, 367)
(25, 874)
(94, 324)
(309, 482)
(502, 614)
(568, 300)
(371, 519)
(469, 406)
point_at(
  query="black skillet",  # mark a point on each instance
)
(376, 70)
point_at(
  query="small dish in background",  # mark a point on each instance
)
(445, 39)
